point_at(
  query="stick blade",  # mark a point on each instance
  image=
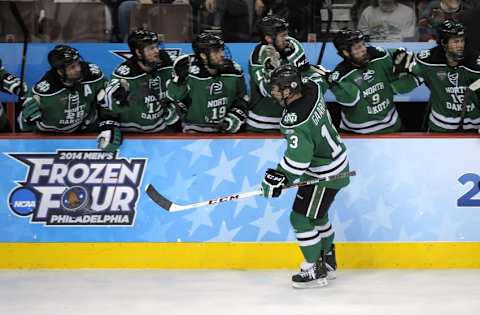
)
(158, 198)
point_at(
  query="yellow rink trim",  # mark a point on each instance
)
(233, 255)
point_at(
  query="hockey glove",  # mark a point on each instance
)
(110, 137)
(31, 109)
(234, 120)
(116, 93)
(181, 67)
(333, 78)
(273, 183)
(170, 114)
(272, 60)
(402, 61)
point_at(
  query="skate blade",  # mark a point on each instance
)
(311, 284)
(331, 275)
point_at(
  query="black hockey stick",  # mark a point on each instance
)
(329, 26)
(26, 39)
(168, 205)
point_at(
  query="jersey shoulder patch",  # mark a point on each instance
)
(91, 72)
(433, 56)
(128, 70)
(48, 85)
(197, 69)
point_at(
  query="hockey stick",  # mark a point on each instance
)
(329, 4)
(168, 205)
(467, 97)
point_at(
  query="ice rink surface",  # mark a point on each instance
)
(140, 292)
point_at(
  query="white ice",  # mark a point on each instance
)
(223, 292)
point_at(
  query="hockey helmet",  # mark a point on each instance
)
(345, 39)
(62, 56)
(287, 76)
(140, 39)
(271, 25)
(449, 29)
(205, 42)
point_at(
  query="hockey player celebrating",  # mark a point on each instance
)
(364, 84)
(451, 73)
(135, 98)
(276, 48)
(212, 87)
(12, 85)
(65, 99)
(314, 150)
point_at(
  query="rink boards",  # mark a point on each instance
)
(415, 203)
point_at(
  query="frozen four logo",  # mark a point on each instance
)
(78, 188)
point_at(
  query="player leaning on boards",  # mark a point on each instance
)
(65, 99)
(135, 98)
(10, 84)
(314, 150)
(364, 85)
(212, 87)
(276, 48)
(451, 73)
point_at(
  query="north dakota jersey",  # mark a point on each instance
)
(146, 102)
(264, 113)
(314, 148)
(67, 109)
(366, 93)
(209, 97)
(447, 87)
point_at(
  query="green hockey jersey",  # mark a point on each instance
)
(447, 89)
(264, 113)
(145, 108)
(209, 97)
(67, 109)
(8, 84)
(366, 93)
(314, 148)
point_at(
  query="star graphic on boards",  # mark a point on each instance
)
(223, 171)
(267, 153)
(268, 222)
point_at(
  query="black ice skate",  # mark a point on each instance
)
(331, 264)
(315, 276)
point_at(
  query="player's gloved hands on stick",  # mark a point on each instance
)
(181, 67)
(110, 137)
(31, 109)
(117, 91)
(273, 182)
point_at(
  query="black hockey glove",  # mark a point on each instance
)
(273, 183)
(234, 120)
(402, 61)
(110, 137)
(181, 67)
(116, 93)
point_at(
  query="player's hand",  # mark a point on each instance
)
(273, 183)
(171, 115)
(273, 58)
(181, 67)
(31, 109)
(110, 137)
(234, 120)
(402, 60)
(116, 93)
(333, 78)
